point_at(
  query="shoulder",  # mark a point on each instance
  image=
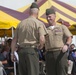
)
(59, 27)
(63, 26)
(39, 22)
(23, 22)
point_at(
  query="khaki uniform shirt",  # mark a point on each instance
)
(55, 37)
(29, 31)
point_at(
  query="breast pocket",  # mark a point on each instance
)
(58, 35)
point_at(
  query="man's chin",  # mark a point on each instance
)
(50, 23)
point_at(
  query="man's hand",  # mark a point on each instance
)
(69, 62)
(13, 58)
(39, 47)
(65, 48)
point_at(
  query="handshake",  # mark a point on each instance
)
(1, 64)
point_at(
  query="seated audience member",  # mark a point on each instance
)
(72, 60)
(9, 67)
(3, 60)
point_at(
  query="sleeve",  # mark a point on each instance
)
(66, 31)
(16, 31)
(42, 29)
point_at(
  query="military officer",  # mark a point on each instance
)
(56, 56)
(30, 34)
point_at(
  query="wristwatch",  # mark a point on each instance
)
(67, 44)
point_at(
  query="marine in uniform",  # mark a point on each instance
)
(56, 49)
(30, 34)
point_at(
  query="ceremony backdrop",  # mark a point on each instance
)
(13, 11)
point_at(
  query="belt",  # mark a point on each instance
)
(27, 46)
(54, 49)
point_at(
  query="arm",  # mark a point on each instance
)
(4, 62)
(68, 34)
(13, 45)
(68, 42)
(42, 33)
(14, 41)
(42, 41)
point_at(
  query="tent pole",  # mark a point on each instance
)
(14, 61)
(12, 32)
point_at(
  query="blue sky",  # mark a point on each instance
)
(16, 4)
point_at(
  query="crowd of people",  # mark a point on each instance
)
(39, 43)
(5, 58)
(6, 65)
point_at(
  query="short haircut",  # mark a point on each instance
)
(34, 10)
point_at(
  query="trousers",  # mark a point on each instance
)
(28, 61)
(56, 63)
